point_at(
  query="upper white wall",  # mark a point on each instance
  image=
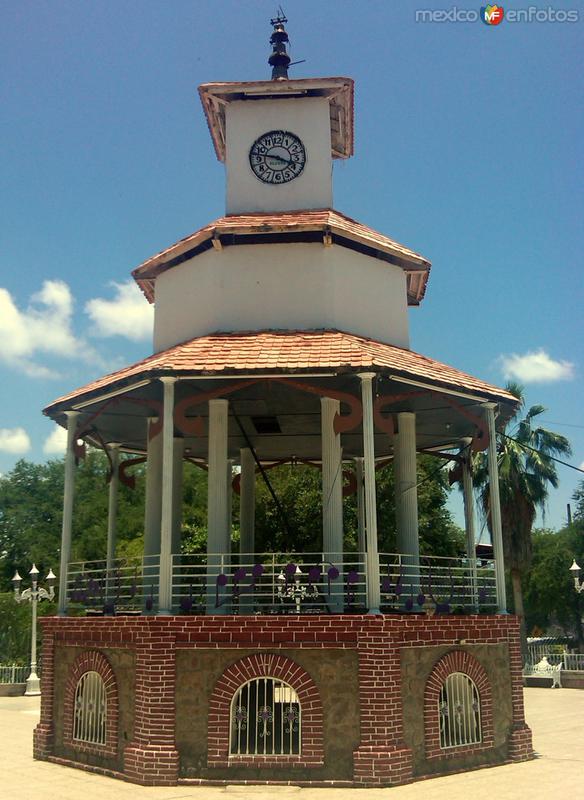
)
(281, 286)
(308, 118)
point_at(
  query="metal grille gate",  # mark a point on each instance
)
(90, 709)
(460, 711)
(265, 719)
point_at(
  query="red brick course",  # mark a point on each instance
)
(381, 758)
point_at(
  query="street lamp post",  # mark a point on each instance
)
(34, 595)
(575, 570)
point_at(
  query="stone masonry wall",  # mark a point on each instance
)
(368, 673)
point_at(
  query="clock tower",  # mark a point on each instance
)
(278, 138)
(304, 265)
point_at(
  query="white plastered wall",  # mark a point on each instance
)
(281, 286)
(308, 118)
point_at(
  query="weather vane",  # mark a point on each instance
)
(279, 59)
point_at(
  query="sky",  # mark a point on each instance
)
(468, 149)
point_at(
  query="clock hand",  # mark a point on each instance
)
(279, 158)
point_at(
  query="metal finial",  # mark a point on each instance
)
(279, 60)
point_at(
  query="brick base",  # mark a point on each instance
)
(151, 765)
(381, 745)
(43, 738)
(382, 766)
(520, 744)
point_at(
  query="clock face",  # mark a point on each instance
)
(277, 157)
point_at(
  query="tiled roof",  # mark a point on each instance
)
(277, 352)
(343, 229)
(338, 90)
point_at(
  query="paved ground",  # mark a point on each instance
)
(556, 718)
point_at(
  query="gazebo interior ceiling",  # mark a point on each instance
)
(280, 420)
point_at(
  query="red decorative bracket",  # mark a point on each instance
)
(342, 424)
(386, 423)
(124, 466)
(195, 426)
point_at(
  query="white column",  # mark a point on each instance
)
(373, 585)
(469, 520)
(332, 497)
(68, 496)
(152, 514)
(332, 481)
(359, 475)
(177, 494)
(112, 515)
(165, 583)
(495, 507)
(247, 487)
(229, 503)
(153, 499)
(397, 482)
(408, 542)
(218, 543)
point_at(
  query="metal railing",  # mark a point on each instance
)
(13, 673)
(282, 583)
(131, 585)
(446, 584)
(272, 583)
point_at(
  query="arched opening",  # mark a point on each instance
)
(459, 711)
(265, 719)
(90, 709)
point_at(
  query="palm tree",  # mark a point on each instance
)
(526, 471)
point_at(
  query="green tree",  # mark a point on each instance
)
(548, 586)
(298, 489)
(526, 471)
(30, 518)
(578, 496)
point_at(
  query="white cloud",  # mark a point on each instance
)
(56, 441)
(535, 367)
(44, 327)
(129, 314)
(581, 466)
(14, 440)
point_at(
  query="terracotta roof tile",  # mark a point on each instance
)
(326, 219)
(281, 352)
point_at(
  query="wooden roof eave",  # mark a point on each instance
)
(146, 274)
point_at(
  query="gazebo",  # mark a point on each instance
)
(281, 335)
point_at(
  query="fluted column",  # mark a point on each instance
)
(218, 542)
(229, 503)
(68, 497)
(153, 499)
(247, 502)
(152, 513)
(408, 542)
(165, 583)
(372, 562)
(359, 475)
(332, 496)
(112, 514)
(469, 520)
(177, 494)
(495, 509)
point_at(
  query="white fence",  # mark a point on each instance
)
(12, 673)
(570, 662)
